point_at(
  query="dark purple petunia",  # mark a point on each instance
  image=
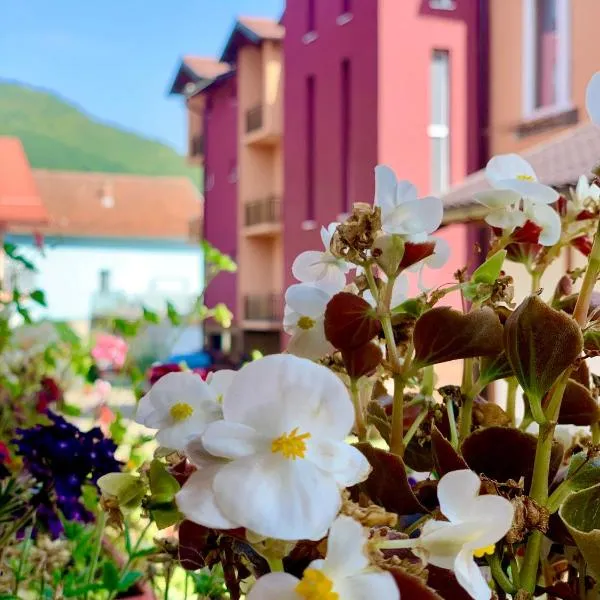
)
(63, 458)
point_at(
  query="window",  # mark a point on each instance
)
(439, 128)
(104, 281)
(345, 133)
(233, 176)
(346, 6)
(311, 16)
(546, 72)
(442, 4)
(345, 15)
(310, 148)
(209, 182)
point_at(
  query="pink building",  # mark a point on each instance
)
(379, 81)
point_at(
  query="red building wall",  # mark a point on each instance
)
(220, 184)
(355, 42)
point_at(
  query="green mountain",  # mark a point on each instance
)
(58, 135)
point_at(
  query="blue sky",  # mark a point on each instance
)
(115, 58)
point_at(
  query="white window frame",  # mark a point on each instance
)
(529, 82)
(442, 4)
(442, 132)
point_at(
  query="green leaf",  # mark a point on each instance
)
(126, 487)
(144, 552)
(110, 576)
(129, 579)
(173, 315)
(150, 316)
(489, 271)
(70, 410)
(9, 249)
(67, 334)
(163, 486)
(412, 307)
(580, 514)
(166, 515)
(79, 592)
(25, 314)
(127, 328)
(39, 296)
(583, 473)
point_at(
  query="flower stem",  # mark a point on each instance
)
(469, 391)
(96, 550)
(499, 575)
(414, 427)
(536, 278)
(275, 564)
(397, 434)
(511, 399)
(595, 433)
(359, 418)
(452, 422)
(589, 281)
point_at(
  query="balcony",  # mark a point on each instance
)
(262, 218)
(196, 149)
(262, 311)
(261, 128)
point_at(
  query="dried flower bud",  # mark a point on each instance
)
(357, 234)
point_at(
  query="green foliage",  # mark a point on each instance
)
(58, 135)
(216, 260)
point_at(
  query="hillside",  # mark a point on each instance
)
(58, 135)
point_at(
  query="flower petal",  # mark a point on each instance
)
(307, 299)
(399, 291)
(497, 514)
(531, 190)
(278, 497)
(309, 266)
(505, 219)
(441, 255)
(414, 217)
(219, 382)
(469, 576)
(507, 166)
(233, 440)
(347, 464)
(592, 98)
(385, 188)
(549, 220)
(346, 549)
(456, 493)
(497, 198)
(196, 500)
(405, 192)
(369, 585)
(275, 586)
(310, 343)
(327, 234)
(279, 392)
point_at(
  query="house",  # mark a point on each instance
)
(112, 242)
(235, 113)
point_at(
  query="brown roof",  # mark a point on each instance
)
(20, 200)
(267, 29)
(205, 67)
(143, 207)
(557, 162)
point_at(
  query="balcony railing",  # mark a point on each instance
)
(197, 145)
(263, 308)
(263, 211)
(254, 118)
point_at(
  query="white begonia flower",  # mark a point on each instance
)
(512, 172)
(583, 194)
(283, 453)
(592, 98)
(304, 318)
(314, 266)
(475, 523)
(344, 574)
(399, 293)
(402, 212)
(180, 405)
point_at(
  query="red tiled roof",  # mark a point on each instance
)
(143, 206)
(205, 67)
(20, 201)
(557, 162)
(266, 29)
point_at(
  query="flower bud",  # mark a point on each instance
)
(388, 251)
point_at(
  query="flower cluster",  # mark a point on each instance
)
(110, 351)
(62, 458)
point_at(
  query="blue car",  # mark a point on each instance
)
(193, 360)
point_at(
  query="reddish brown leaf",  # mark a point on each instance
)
(350, 321)
(414, 253)
(582, 374)
(387, 484)
(362, 360)
(503, 453)
(413, 587)
(540, 344)
(444, 583)
(445, 457)
(442, 334)
(578, 407)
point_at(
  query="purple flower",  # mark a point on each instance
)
(63, 458)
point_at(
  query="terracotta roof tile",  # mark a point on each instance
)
(266, 29)
(205, 67)
(557, 162)
(20, 201)
(143, 206)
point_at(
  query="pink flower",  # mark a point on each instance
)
(109, 351)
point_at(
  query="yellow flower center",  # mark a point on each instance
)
(291, 444)
(305, 323)
(525, 177)
(315, 585)
(481, 552)
(181, 411)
